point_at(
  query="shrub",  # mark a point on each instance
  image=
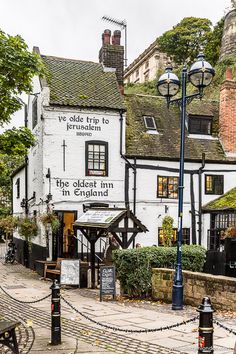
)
(134, 266)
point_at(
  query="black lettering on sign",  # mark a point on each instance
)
(107, 281)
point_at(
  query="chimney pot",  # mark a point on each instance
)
(229, 74)
(116, 37)
(106, 37)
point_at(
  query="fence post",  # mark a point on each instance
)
(205, 337)
(55, 314)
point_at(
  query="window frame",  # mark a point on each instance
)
(18, 188)
(214, 186)
(146, 125)
(167, 187)
(200, 119)
(185, 236)
(34, 112)
(100, 143)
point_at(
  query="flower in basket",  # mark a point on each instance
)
(230, 232)
(50, 218)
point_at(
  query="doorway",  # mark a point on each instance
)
(64, 243)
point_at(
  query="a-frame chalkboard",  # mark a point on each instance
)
(107, 281)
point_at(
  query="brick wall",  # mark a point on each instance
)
(228, 116)
(111, 55)
(220, 289)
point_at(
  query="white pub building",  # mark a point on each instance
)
(96, 148)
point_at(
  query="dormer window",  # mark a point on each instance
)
(201, 125)
(149, 122)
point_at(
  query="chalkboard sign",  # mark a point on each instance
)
(107, 281)
(70, 272)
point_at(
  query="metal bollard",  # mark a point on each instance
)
(205, 338)
(56, 314)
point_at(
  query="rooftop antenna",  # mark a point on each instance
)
(123, 25)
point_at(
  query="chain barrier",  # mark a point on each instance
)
(230, 330)
(24, 302)
(129, 330)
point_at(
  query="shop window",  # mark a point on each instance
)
(200, 125)
(185, 236)
(96, 158)
(34, 112)
(214, 184)
(167, 187)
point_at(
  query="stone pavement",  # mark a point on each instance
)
(79, 335)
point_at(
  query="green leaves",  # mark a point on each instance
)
(134, 266)
(17, 68)
(184, 41)
(16, 141)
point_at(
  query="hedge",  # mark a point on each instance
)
(134, 266)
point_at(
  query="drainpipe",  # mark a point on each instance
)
(200, 171)
(128, 164)
(193, 216)
(26, 166)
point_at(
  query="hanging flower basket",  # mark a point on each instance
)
(28, 230)
(50, 219)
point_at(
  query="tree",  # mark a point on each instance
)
(212, 49)
(17, 68)
(184, 41)
(167, 227)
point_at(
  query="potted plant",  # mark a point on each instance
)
(50, 219)
(167, 227)
(28, 230)
(9, 224)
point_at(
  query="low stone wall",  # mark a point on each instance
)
(220, 289)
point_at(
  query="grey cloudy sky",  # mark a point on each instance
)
(73, 28)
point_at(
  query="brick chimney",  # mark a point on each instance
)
(227, 118)
(111, 55)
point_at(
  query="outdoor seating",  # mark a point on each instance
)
(8, 335)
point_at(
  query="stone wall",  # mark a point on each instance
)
(220, 289)
(228, 43)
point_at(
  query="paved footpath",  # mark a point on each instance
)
(80, 335)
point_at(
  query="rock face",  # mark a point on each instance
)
(228, 46)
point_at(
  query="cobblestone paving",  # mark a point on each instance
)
(104, 339)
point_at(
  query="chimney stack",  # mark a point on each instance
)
(227, 117)
(111, 55)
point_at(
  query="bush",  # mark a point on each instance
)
(134, 266)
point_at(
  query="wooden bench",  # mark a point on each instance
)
(8, 335)
(53, 267)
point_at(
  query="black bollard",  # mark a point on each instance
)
(205, 337)
(56, 314)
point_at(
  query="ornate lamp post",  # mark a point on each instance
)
(200, 75)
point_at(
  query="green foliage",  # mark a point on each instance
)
(8, 224)
(51, 219)
(147, 88)
(213, 46)
(184, 41)
(27, 228)
(16, 141)
(17, 68)
(167, 227)
(134, 266)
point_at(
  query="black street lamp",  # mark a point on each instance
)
(200, 75)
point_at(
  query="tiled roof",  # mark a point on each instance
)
(166, 144)
(81, 83)
(224, 202)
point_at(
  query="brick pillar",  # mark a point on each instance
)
(227, 118)
(112, 56)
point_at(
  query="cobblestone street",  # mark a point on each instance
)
(79, 335)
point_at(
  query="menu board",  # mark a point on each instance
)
(70, 272)
(107, 281)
